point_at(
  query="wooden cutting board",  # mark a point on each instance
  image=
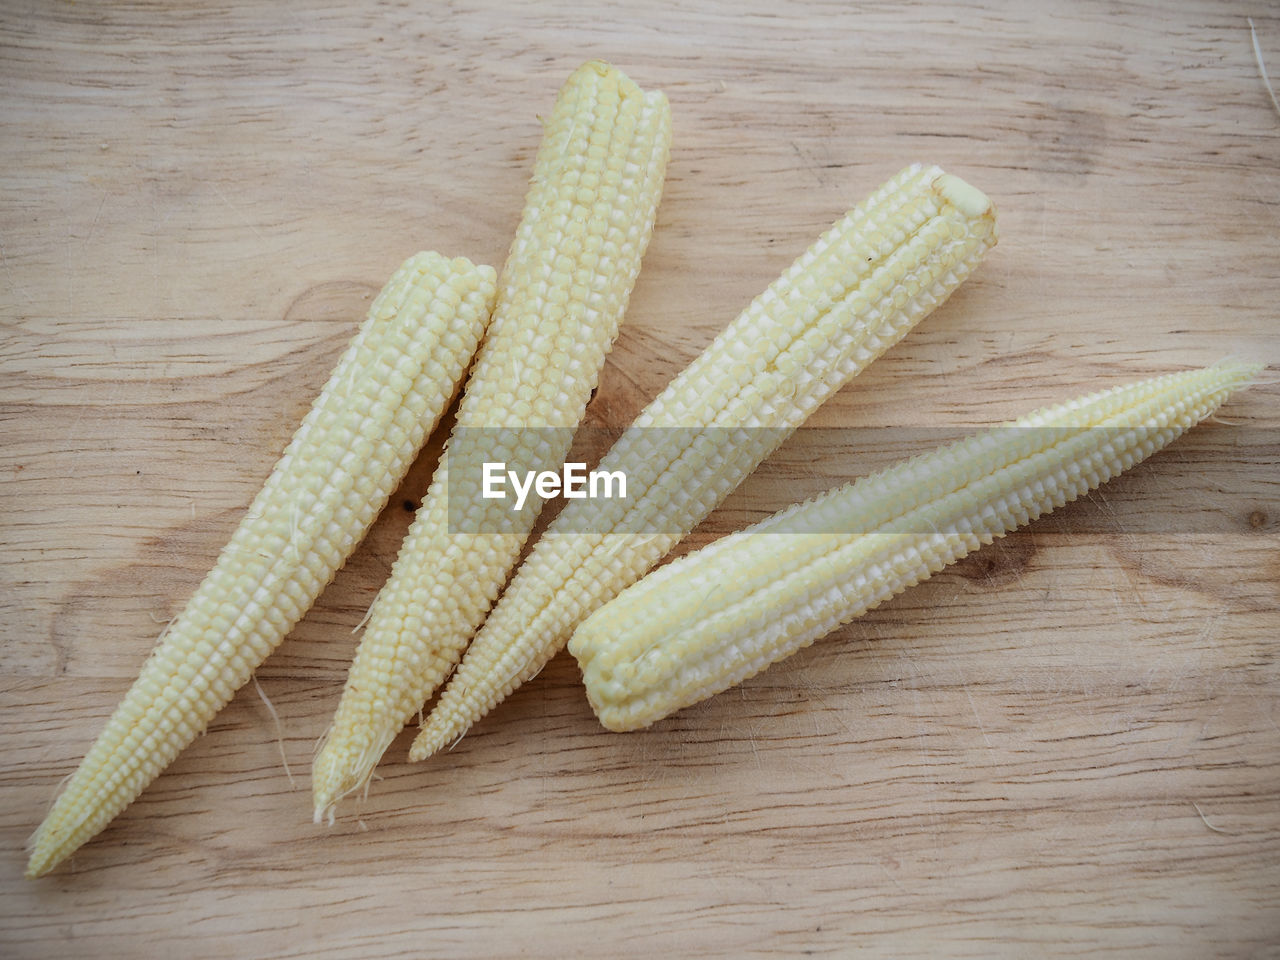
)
(1065, 745)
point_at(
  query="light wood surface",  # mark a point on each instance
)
(1066, 745)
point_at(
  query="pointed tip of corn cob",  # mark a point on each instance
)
(334, 777)
(430, 740)
(325, 805)
(40, 859)
(1235, 373)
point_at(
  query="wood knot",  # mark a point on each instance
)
(1257, 519)
(999, 563)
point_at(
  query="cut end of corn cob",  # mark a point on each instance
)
(364, 430)
(717, 616)
(869, 279)
(587, 220)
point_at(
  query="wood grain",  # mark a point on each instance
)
(1065, 745)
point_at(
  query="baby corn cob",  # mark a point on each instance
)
(717, 616)
(869, 279)
(576, 254)
(360, 436)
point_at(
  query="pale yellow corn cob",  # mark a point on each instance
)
(354, 445)
(717, 616)
(576, 254)
(869, 279)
